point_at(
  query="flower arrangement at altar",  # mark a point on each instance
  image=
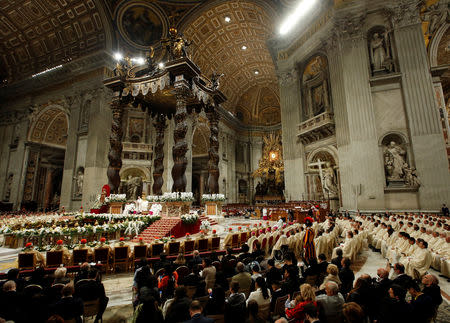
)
(213, 198)
(116, 198)
(205, 226)
(172, 197)
(189, 218)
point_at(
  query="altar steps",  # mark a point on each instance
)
(159, 229)
(204, 217)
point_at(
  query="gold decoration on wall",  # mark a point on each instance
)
(272, 157)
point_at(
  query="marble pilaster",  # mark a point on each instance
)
(292, 149)
(427, 142)
(361, 166)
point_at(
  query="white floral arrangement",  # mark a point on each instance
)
(213, 198)
(205, 226)
(116, 198)
(172, 197)
(155, 209)
(189, 218)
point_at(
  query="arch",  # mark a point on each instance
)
(316, 89)
(50, 127)
(330, 150)
(433, 51)
(392, 135)
(135, 171)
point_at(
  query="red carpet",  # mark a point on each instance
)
(159, 229)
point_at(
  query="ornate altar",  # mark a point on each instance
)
(269, 189)
(165, 91)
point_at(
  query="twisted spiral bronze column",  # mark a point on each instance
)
(158, 162)
(180, 145)
(115, 151)
(213, 163)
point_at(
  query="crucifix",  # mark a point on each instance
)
(319, 164)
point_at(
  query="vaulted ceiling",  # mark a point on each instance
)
(39, 34)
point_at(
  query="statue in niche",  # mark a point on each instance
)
(380, 54)
(329, 180)
(394, 160)
(410, 176)
(134, 187)
(79, 182)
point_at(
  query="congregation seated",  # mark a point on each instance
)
(186, 298)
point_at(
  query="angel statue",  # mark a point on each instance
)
(176, 45)
(215, 80)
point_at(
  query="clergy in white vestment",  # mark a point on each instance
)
(418, 264)
(445, 259)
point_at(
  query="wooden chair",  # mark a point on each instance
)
(157, 249)
(101, 255)
(160, 272)
(202, 245)
(235, 240)
(26, 260)
(54, 258)
(189, 246)
(264, 312)
(182, 272)
(217, 264)
(120, 257)
(215, 243)
(32, 290)
(80, 256)
(139, 252)
(174, 248)
(279, 309)
(244, 237)
(91, 309)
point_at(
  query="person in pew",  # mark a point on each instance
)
(235, 305)
(69, 307)
(92, 289)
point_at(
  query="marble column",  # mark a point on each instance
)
(428, 147)
(213, 162)
(179, 135)
(158, 161)
(73, 105)
(293, 152)
(48, 187)
(115, 151)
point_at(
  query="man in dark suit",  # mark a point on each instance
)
(338, 259)
(402, 279)
(196, 314)
(11, 303)
(393, 308)
(273, 273)
(235, 305)
(276, 292)
(382, 283)
(69, 307)
(92, 289)
(346, 276)
(422, 304)
(162, 263)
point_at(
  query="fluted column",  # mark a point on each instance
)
(427, 142)
(158, 161)
(361, 165)
(180, 145)
(115, 141)
(213, 162)
(292, 149)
